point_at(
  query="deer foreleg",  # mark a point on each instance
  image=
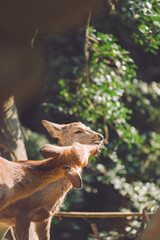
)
(43, 229)
(22, 227)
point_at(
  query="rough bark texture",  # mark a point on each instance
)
(11, 140)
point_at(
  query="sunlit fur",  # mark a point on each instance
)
(52, 195)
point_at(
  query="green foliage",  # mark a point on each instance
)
(144, 16)
(108, 91)
(33, 142)
(99, 99)
(106, 236)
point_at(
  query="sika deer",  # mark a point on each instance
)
(51, 196)
(20, 179)
(70, 159)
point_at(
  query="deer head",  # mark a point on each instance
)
(67, 134)
(75, 157)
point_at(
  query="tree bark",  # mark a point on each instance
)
(11, 140)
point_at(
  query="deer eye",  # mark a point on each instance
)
(79, 131)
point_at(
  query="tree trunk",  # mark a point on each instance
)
(11, 140)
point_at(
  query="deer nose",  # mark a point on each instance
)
(100, 136)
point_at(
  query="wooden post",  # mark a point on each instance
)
(95, 231)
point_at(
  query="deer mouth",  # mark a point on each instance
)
(98, 142)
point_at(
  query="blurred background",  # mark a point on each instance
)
(98, 63)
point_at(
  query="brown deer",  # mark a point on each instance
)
(51, 196)
(69, 160)
(20, 179)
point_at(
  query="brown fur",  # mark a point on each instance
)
(17, 180)
(51, 197)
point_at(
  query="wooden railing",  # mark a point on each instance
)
(100, 214)
(152, 232)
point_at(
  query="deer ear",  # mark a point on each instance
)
(74, 177)
(53, 128)
(48, 151)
